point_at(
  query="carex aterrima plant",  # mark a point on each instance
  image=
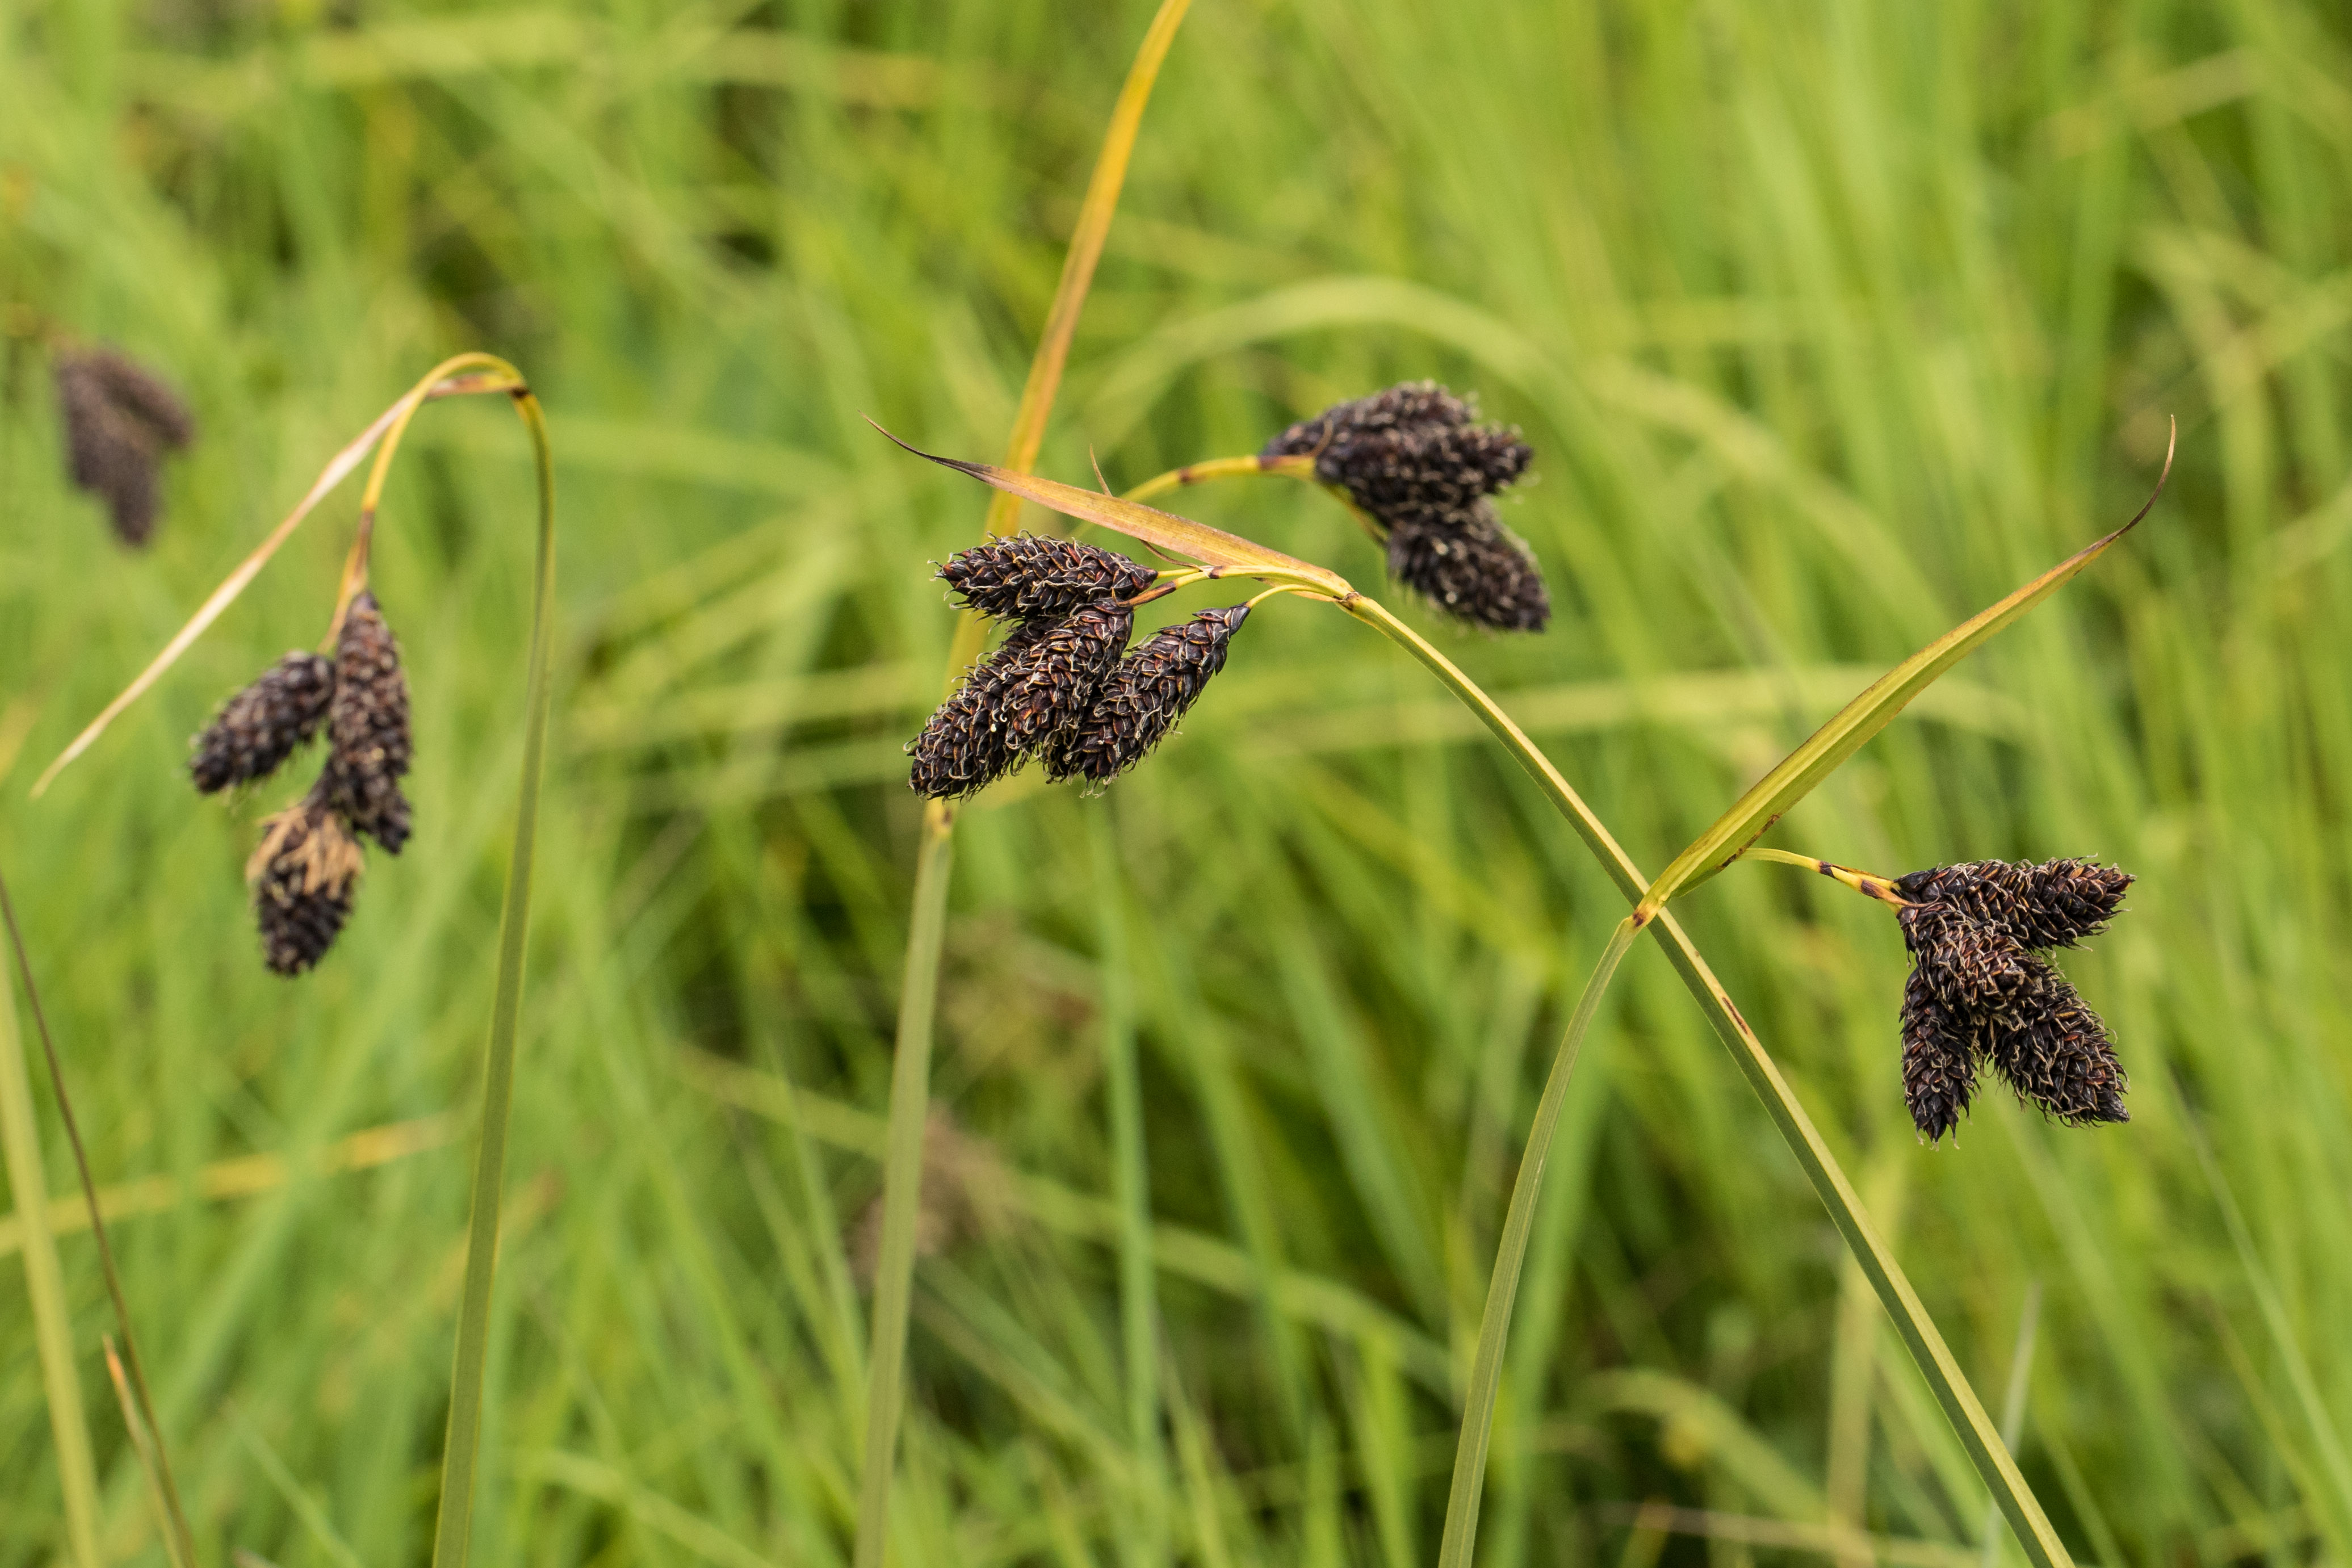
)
(119, 420)
(1413, 464)
(351, 693)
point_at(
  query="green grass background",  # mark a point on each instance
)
(1829, 323)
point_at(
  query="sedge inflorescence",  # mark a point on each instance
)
(1980, 990)
(1057, 687)
(119, 418)
(1415, 461)
(304, 873)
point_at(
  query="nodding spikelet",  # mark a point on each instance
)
(963, 749)
(119, 420)
(1409, 455)
(1024, 577)
(2062, 1060)
(303, 876)
(1473, 569)
(256, 729)
(368, 728)
(1049, 691)
(2057, 903)
(1973, 969)
(1142, 698)
(1940, 1059)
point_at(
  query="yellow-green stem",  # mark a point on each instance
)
(453, 1530)
(1210, 469)
(52, 1318)
(902, 1180)
(1935, 1359)
(1510, 1257)
(1864, 882)
(902, 1172)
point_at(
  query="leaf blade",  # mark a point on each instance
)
(1225, 553)
(1797, 774)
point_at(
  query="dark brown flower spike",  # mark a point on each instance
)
(965, 748)
(1968, 928)
(368, 726)
(256, 729)
(304, 875)
(1027, 576)
(1473, 569)
(1940, 1059)
(119, 420)
(1051, 691)
(1144, 696)
(2055, 904)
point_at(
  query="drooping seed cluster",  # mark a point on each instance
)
(1057, 686)
(304, 873)
(1413, 460)
(119, 420)
(1980, 990)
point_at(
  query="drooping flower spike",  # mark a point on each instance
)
(1413, 461)
(119, 420)
(1980, 990)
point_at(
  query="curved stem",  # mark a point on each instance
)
(1510, 1256)
(1864, 882)
(453, 1530)
(1935, 1359)
(1220, 469)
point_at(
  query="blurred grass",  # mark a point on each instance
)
(1828, 326)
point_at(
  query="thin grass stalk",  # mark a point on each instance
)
(1961, 1407)
(139, 1405)
(148, 1447)
(453, 1530)
(1131, 1191)
(902, 1172)
(52, 1317)
(1510, 1256)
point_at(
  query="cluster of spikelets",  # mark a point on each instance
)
(309, 860)
(1415, 462)
(1056, 688)
(119, 420)
(1980, 990)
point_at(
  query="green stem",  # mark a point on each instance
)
(1510, 1256)
(902, 1180)
(52, 1318)
(1209, 469)
(1934, 1358)
(452, 1532)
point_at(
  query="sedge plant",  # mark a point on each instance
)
(307, 866)
(1062, 690)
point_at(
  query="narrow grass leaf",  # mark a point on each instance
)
(1797, 774)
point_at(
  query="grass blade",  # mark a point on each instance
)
(1796, 774)
(52, 1318)
(902, 1172)
(1960, 1404)
(1510, 1254)
(139, 1405)
(1225, 554)
(453, 1530)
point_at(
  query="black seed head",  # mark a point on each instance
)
(368, 729)
(257, 729)
(1142, 698)
(1049, 692)
(2055, 904)
(303, 876)
(1409, 457)
(2061, 1060)
(119, 420)
(1974, 969)
(1473, 569)
(1940, 1065)
(965, 748)
(1027, 576)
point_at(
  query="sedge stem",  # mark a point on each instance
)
(1869, 885)
(1510, 1257)
(1220, 469)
